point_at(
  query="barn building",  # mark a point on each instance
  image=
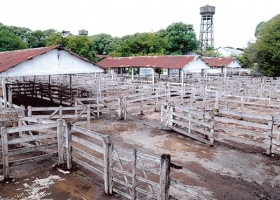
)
(222, 66)
(52, 60)
(170, 65)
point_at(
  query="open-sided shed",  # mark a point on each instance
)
(171, 64)
(220, 65)
(51, 60)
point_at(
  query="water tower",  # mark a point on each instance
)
(206, 36)
(83, 32)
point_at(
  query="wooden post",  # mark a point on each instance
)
(124, 108)
(68, 146)
(171, 116)
(132, 74)
(88, 117)
(5, 152)
(4, 91)
(29, 111)
(119, 107)
(108, 149)
(164, 177)
(76, 106)
(270, 135)
(153, 76)
(134, 183)
(60, 140)
(1, 103)
(97, 102)
(60, 112)
(10, 97)
(216, 101)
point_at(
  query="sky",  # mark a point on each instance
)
(234, 21)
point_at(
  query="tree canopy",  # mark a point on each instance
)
(176, 39)
(263, 55)
(9, 41)
(181, 39)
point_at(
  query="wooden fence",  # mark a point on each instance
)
(189, 122)
(42, 143)
(224, 125)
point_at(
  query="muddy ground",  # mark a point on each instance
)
(224, 171)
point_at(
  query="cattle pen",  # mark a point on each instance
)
(147, 139)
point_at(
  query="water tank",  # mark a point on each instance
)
(207, 10)
(83, 32)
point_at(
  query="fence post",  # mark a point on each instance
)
(164, 177)
(29, 111)
(60, 112)
(88, 117)
(134, 174)
(97, 106)
(5, 152)
(67, 144)
(10, 97)
(107, 144)
(216, 101)
(60, 140)
(270, 135)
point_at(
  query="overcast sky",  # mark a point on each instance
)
(234, 21)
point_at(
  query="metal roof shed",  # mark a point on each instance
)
(51, 60)
(184, 63)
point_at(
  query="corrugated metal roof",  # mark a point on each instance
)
(218, 62)
(9, 59)
(168, 62)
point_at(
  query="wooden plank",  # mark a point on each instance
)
(148, 157)
(88, 144)
(248, 115)
(152, 195)
(89, 167)
(192, 127)
(89, 157)
(201, 139)
(33, 148)
(145, 180)
(122, 172)
(244, 131)
(240, 140)
(241, 122)
(31, 138)
(121, 193)
(191, 119)
(33, 159)
(122, 182)
(87, 132)
(31, 127)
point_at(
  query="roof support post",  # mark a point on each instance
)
(132, 74)
(182, 77)
(225, 74)
(4, 91)
(99, 84)
(153, 75)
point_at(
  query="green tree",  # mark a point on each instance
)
(141, 44)
(104, 44)
(80, 45)
(268, 46)
(181, 38)
(9, 41)
(258, 28)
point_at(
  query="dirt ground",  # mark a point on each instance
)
(224, 171)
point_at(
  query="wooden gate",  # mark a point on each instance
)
(52, 141)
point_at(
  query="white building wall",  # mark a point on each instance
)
(145, 71)
(52, 62)
(234, 64)
(196, 66)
